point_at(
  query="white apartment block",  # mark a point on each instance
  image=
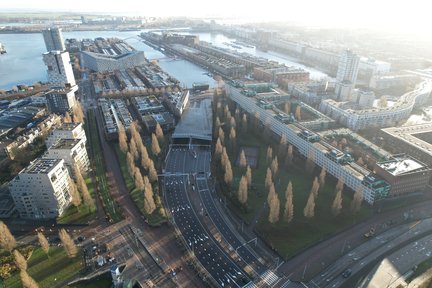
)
(41, 191)
(378, 117)
(66, 131)
(61, 101)
(72, 151)
(320, 152)
(60, 72)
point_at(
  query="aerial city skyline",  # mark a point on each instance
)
(215, 144)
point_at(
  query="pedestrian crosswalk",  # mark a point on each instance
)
(269, 277)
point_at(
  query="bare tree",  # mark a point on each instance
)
(268, 178)
(274, 205)
(339, 185)
(19, 260)
(315, 187)
(228, 177)
(145, 159)
(269, 154)
(274, 165)
(232, 137)
(244, 124)
(289, 157)
(233, 123)
(159, 132)
(78, 115)
(322, 176)
(298, 113)
(155, 145)
(224, 157)
(283, 145)
(130, 163)
(27, 280)
(309, 210)
(68, 244)
(243, 190)
(133, 148)
(249, 175)
(360, 161)
(139, 183)
(152, 172)
(287, 108)
(75, 196)
(82, 186)
(43, 242)
(67, 118)
(289, 204)
(122, 138)
(217, 126)
(357, 200)
(7, 240)
(221, 135)
(149, 204)
(337, 203)
(218, 148)
(242, 160)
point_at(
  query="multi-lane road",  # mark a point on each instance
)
(187, 172)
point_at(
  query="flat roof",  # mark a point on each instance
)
(41, 166)
(407, 134)
(400, 165)
(65, 144)
(68, 126)
(196, 121)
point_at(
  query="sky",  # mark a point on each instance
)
(393, 15)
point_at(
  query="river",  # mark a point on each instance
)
(22, 64)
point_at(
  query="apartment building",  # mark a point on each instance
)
(66, 131)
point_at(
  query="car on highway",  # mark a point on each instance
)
(346, 273)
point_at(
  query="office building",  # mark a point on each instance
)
(60, 74)
(61, 100)
(53, 39)
(41, 191)
(66, 131)
(404, 174)
(72, 151)
(105, 62)
(346, 74)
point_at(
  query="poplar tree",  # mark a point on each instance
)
(357, 200)
(243, 190)
(68, 244)
(289, 205)
(274, 205)
(7, 240)
(337, 203)
(242, 160)
(249, 176)
(43, 242)
(155, 145)
(309, 210)
(149, 204)
(27, 280)
(19, 260)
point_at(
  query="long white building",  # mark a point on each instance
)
(41, 191)
(72, 151)
(102, 62)
(66, 131)
(324, 155)
(378, 117)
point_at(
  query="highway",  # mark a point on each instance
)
(217, 263)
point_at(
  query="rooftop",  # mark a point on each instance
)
(409, 134)
(401, 164)
(68, 126)
(41, 166)
(66, 144)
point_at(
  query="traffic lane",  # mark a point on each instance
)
(225, 230)
(217, 263)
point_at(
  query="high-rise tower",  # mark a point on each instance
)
(53, 39)
(346, 74)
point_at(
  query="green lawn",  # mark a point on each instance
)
(102, 182)
(83, 214)
(288, 239)
(154, 219)
(54, 271)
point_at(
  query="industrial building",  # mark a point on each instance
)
(41, 191)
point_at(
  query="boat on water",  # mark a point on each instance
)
(200, 86)
(2, 49)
